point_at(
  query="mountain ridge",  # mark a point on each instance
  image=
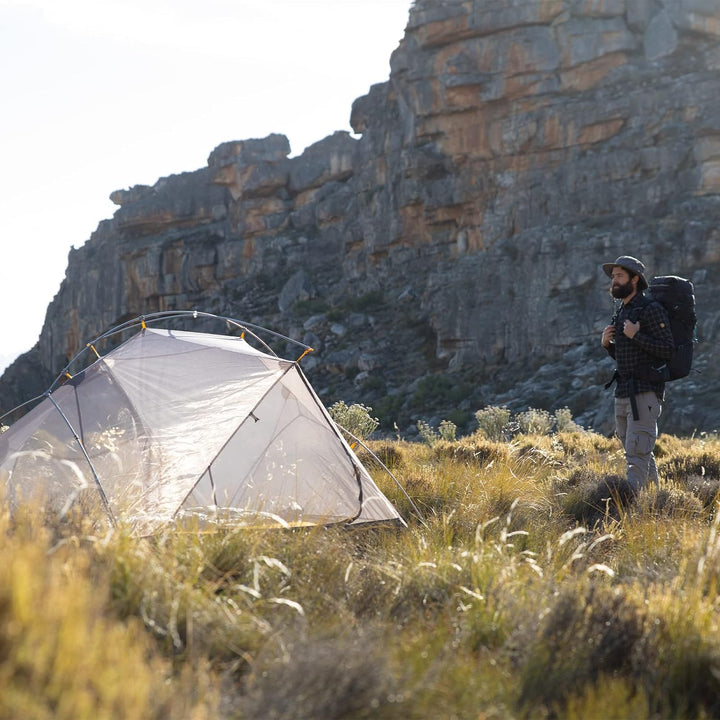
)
(448, 257)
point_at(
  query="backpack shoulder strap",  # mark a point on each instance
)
(637, 311)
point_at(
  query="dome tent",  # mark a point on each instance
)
(178, 424)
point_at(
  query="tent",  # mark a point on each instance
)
(178, 424)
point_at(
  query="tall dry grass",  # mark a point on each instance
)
(532, 586)
(65, 652)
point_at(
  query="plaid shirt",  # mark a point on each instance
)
(652, 345)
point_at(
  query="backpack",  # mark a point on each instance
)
(677, 296)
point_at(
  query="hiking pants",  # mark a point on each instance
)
(638, 437)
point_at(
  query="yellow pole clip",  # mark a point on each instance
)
(309, 350)
(68, 375)
(92, 347)
(142, 324)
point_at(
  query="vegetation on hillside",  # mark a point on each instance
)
(531, 587)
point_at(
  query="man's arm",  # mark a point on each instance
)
(654, 335)
(608, 340)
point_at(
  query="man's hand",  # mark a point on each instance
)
(608, 336)
(630, 329)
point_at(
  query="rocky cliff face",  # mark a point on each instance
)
(447, 257)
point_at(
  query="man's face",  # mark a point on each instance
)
(622, 285)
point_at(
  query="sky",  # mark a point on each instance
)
(99, 95)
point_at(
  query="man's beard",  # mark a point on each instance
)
(622, 291)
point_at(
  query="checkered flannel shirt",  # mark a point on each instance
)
(651, 345)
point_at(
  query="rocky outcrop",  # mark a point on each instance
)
(447, 256)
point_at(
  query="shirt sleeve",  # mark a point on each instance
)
(654, 336)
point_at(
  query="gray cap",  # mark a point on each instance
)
(626, 262)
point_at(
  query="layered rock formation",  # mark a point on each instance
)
(447, 256)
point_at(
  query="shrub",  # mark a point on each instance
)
(310, 306)
(325, 677)
(583, 446)
(460, 418)
(583, 637)
(493, 422)
(669, 501)
(365, 303)
(447, 430)
(496, 424)
(474, 450)
(390, 454)
(389, 410)
(374, 383)
(564, 421)
(535, 422)
(595, 496)
(431, 389)
(696, 461)
(427, 433)
(356, 419)
(706, 490)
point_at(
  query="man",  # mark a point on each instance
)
(640, 341)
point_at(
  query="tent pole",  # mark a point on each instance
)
(387, 470)
(19, 407)
(87, 457)
(212, 485)
(141, 320)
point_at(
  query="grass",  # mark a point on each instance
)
(533, 587)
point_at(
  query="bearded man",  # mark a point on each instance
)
(640, 341)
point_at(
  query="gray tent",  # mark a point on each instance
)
(174, 424)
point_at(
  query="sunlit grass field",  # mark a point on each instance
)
(530, 587)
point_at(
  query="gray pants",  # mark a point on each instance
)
(638, 437)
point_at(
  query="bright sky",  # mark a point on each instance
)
(99, 95)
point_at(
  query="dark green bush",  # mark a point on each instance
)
(591, 497)
(327, 677)
(583, 638)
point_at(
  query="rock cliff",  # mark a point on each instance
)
(446, 256)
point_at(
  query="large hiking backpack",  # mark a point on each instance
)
(677, 296)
